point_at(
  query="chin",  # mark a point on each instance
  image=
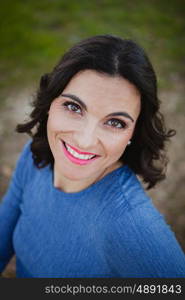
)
(74, 177)
(73, 174)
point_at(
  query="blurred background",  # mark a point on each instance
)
(34, 35)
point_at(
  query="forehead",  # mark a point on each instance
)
(104, 92)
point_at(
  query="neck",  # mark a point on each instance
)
(73, 186)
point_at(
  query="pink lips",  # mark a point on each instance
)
(76, 160)
(87, 153)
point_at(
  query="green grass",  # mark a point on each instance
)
(34, 34)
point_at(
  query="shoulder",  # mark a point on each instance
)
(138, 232)
(25, 157)
(128, 206)
(129, 196)
(26, 151)
(135, 205)
(24, 165)
(134, 217)
(131, 188)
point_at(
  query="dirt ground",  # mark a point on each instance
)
(168, 196)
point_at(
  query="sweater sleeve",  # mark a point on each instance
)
(10, 208)
(142, 245)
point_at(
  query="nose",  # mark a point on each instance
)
(86, 138)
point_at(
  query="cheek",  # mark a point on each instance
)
(58, 122)
(116, 145)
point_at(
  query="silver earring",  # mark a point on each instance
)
(129, 142)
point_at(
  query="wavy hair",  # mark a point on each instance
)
(114, 56)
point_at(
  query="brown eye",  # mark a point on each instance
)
(73, 107)
(116, 123)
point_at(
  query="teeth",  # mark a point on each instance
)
(77, 155)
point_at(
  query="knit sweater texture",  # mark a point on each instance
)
(109, 229)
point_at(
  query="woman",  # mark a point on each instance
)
(75, 207)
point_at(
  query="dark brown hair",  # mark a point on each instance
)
(116, 57)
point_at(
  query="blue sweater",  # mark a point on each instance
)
(110, 229)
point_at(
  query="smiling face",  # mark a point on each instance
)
(89, 127)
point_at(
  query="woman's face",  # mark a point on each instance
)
(90, 125)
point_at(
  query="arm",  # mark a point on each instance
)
(10, 209)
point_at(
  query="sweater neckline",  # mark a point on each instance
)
(92, 188)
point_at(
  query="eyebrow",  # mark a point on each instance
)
(77, 99)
